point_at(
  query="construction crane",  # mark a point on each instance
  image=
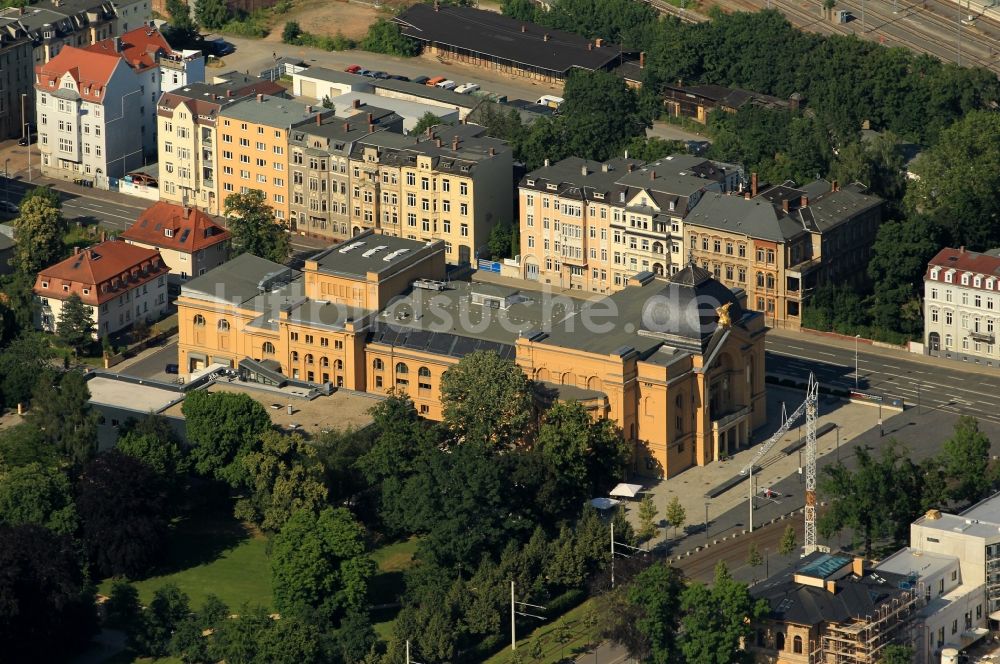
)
(810, 408)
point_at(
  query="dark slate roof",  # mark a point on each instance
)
(497, 36)
(755, 218)
(438, 343)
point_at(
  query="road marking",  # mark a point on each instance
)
(103, 212)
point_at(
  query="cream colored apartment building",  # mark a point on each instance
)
(452, 184)
(187, 120)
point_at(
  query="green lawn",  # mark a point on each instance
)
(579, 632)
(213, 554)
(392, 560)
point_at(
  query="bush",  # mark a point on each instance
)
(247, 25)
(336, 43)
(291, 33)
(385, 37)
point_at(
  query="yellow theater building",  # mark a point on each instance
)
(677, 363)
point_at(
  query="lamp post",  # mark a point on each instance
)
(856, 338)
(838, 441)
(6, 180)
(706, 517)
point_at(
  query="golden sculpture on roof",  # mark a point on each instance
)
(723, 312)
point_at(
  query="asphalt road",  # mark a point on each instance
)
(152, 365)
(946, 386)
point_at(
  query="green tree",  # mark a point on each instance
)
(897, 654)
(500, 242)
(487, 399)
(221, 428)
(76, 323)
(964, 206)
(155, 445)
(22, 363)
(37, 494)
(427, 121)
(878, 498)
(717, 620)
(45, 193)
(653, 148)
(165, 613)
(385, 37)
(647, 518)
(754, 559)
(965, 458)
(284, 477)
(48, 608)
(899, 258)
(123, 609)
(23, 444)
(600, 115)
(656, 592)
(318, 561)
(521, 10)
(61, 411)
(291, 34)
(39, 231)
(254, 228)
(212, 14)
(181, 30)
(789, 542)
(122, 509)
(676, 514)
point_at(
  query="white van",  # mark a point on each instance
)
(448, 85)
(551, 101)
(467, 88)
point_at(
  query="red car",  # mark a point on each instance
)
(353, 69)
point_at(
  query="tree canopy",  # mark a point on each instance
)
(385, 37)
(37, 494)
(61, 412)
(221, 428)
(255, 229)
(76, 323)
(39, 231)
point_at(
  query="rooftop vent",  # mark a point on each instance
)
(428, 284)
(351, 247)
(374, 250)
(395, 254)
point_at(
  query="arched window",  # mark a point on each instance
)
(779, 641)
(338, 365)
(223, 325)
(267, 348)
(424, 372)
(309, 358)
(657, 248)
(760, 280)
(378, 365)
(295, 356)
(770, 281)
(199, 320)
(657, 269)
(797, 645)
(401, 368)
(324, 361)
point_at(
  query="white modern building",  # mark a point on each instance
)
(96, 106)
(962, 306)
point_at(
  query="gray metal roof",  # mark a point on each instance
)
(272, 111)
(334, 76)
(449, 97)
(576, 177)
(239, 280)
(755, 218)
(369, 252)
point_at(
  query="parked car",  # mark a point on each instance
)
(467, 88)
(171, 369)
(9, 208)
(381, 75)
(353, 69)
(421, 79)
(448, 85)
(218, 48)
(397, 77)
(431, 82)
(362, 72)
(27, 140)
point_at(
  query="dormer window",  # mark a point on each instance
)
(45, 284)
(948, 277)
(977, 282)
(531, 183)
(169, 232)
(965, 279)
(86, 291)
(672, 205)
(66, 288)
(934, 273)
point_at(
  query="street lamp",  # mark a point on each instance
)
(6, 180)
(837, 427)
(856, 338)
(706, 516)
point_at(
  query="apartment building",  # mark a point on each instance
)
(187, 119)
(374, 314)
(253, 147)
(16, 78)
(96, 107)
(120, 282)
(453, 184)
(590, 225)
(319, 168)
(962, 306)
(835, 609)
(188, 241)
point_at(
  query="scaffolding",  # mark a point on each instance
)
(863, 640)
(993, 577)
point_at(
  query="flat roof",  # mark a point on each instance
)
(410, 111)
(344, 409)
(142, 397)
(239, 280)
(369, 252)
(272, 111)
(333, 76)
(910, 561)
(497, 36)
(449, 97)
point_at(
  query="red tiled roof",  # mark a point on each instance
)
(962, 261)
(90, 70)
(190, 228)
(106, 270)
(140, 48)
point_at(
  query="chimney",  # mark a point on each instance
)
(858, 567)
(76, 250)
(437, 142)
(604, 167)
(786, 205)
(309, 109)
(347, 126)
(834, 186)
(753, 185)
(590, 47)
(437, 6)
(319, 119)
(961, 249)
(545, 37)
(187, 212)
(229, 93)
(524, 28)
(356, 103)
(454, 143)
(371, 118)
(642, 60)
(631, 167)
(104, 238)
(598, 42)
(493, 151)
(804, 201)
(652, 175)
(430, 133)
(260, 98)
(371, 128)
(547, 162)
(118, 44)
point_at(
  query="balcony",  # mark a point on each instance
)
(982, 337)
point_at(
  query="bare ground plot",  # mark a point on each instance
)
(327, 17)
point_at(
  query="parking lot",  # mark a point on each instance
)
(152, 362)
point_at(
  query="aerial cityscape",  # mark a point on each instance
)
(500, 331)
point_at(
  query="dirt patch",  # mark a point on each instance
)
(326, 17)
